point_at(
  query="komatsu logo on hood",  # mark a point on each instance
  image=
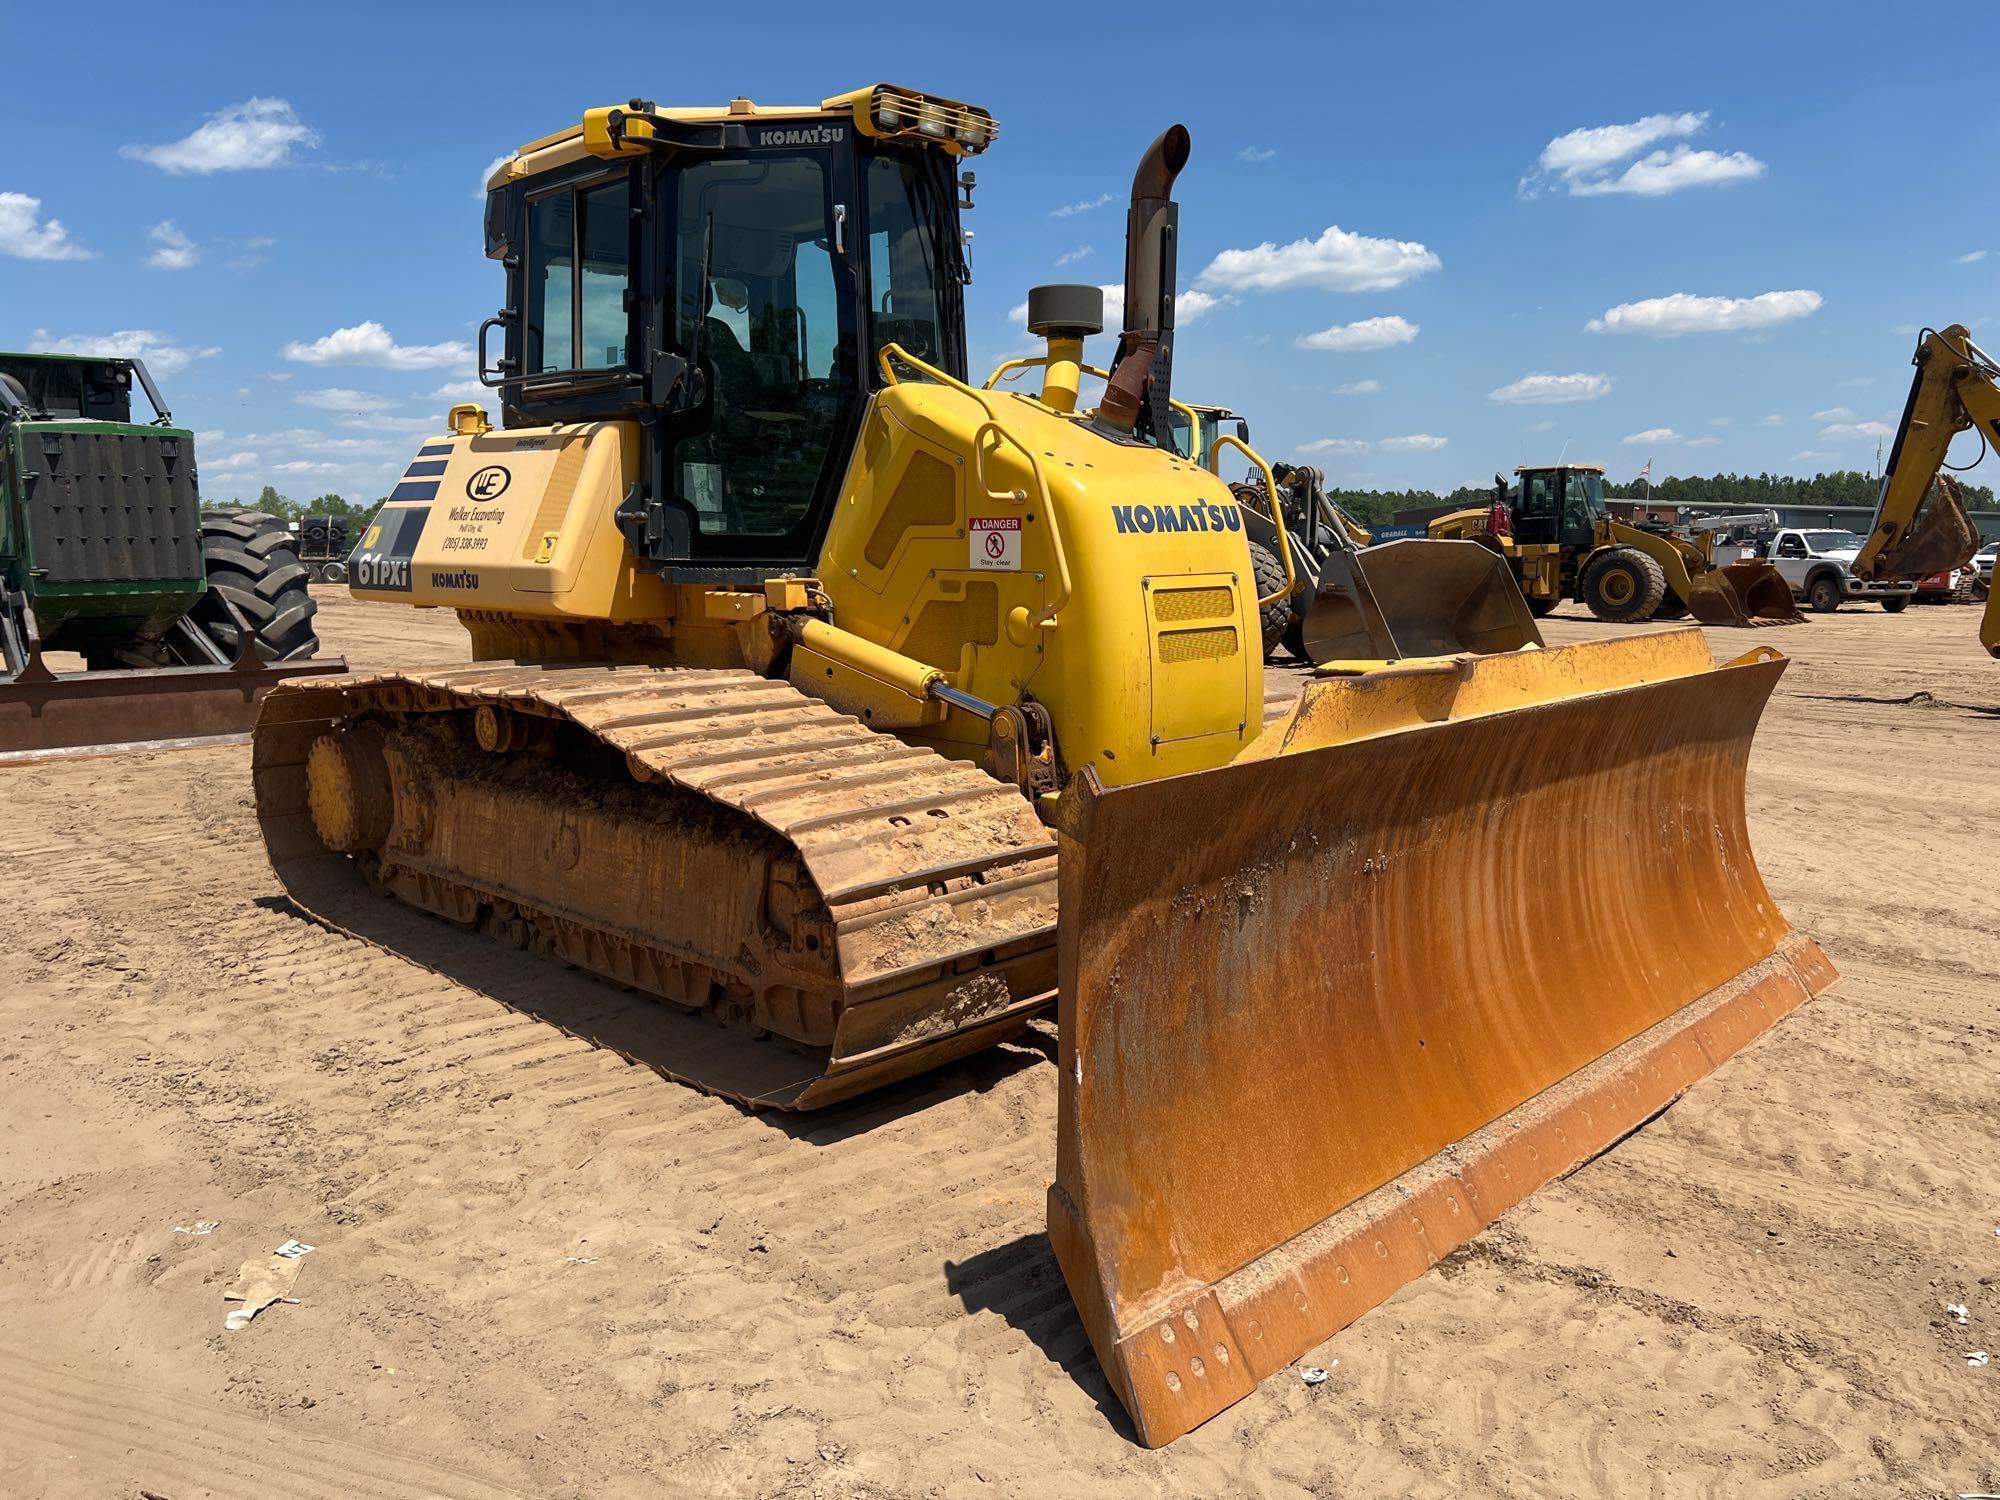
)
(1202, 517)
(811, 135)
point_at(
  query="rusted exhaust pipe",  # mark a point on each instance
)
(1146, 345)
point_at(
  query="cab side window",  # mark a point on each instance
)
(579, 265)
(1791, 546)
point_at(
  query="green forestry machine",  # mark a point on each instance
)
(184, 618)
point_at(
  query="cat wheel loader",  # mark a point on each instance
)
(185, 618)
(869, 711)
(1921, 524)
(1552, 526)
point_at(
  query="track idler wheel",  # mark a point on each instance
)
(347, 790)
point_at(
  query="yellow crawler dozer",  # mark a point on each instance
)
(813, 683)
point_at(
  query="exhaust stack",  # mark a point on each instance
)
(1142, 374)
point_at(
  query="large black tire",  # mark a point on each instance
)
(1269, 576)
(1541, 609)
(1824, 593)
(251, 562)
(1673, 607)
(1895, 604)
(1623, 585)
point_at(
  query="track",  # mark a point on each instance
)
(921, 928)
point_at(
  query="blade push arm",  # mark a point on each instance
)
(1918, 529)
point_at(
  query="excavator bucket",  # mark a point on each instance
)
(1942, 536)
(1743, 593)
(1429, 598)
(1443, 933)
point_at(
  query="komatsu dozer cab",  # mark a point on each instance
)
(869, 712)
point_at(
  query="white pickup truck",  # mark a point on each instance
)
(1819, 566)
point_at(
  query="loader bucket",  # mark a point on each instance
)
(1443, 933)
(1433, 598)
(1743, 593)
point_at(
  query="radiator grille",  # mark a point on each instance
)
(1214, 644)
(1173, 606)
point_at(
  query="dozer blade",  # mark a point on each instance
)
(1429, 598)
(46, 714)
(1443, 933)
(1743, 593)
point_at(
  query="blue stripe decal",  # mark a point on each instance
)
(425, 490)
(420, 469)
(434, 450)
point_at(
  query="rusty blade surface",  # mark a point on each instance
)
(1744, 593)
(53, 713)
(1326, 1013)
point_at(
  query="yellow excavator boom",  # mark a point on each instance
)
(1921, 523)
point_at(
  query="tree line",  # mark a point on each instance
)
(1715, 492)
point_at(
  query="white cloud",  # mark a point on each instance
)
(1842, 430)
(377, 422)
(1595, 148)
(1416, 442)
(1683, 312)
(1337, 261)
(1070, 210)
(305, 466)
(1585, 161)
(307, 440)
(1358, 388)
(25, 235)
(1652, 435)
(242, 137)
(1551, 390)
(162, 355)
(1669, 171)
(1855, 382)
(491, 167)
(230, 462)
(1774, 420)
(371, 344)
(341, 398)
(1258, 153)
(1545, 426)
(1070, 257)
(1812, 456)
(1834, 414)
(1710, 441)
(1971, 257)
(172, 250)
(461, 390)
(1335, 445)
(1361, 336)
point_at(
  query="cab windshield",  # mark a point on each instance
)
(1833, 541)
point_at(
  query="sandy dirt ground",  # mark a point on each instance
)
(543, 1271)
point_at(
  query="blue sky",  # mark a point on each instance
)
(1420, 243)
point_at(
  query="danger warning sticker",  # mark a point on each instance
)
(996, 543)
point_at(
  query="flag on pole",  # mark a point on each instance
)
(1647, 472)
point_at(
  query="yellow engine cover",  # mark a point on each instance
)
(520, 521)
(1154, 664)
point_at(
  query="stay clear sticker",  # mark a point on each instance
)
(996, 543)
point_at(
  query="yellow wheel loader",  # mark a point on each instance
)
(1921, 523)
(869, 711)
(1552, 526)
